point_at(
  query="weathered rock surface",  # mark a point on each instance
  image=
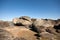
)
(5, 35)
(20, 33)
(26, 28)
(23, 21)
(48, 36)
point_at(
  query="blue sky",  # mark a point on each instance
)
(10, 9)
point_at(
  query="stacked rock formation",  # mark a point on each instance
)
(26, 28)
(23, 21)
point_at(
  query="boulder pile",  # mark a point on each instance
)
(26, 28)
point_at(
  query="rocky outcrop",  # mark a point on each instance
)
(21, 33)
(26, 28)
(5, 35)
(23, 21)
(42, 24)
(48, 36)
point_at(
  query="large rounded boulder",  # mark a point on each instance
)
(23, 21)
(42, 24)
